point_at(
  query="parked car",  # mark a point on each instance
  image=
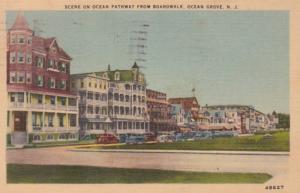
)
(267, 136)
(165, 138)
(106, 139)
(135, 139)
(203, 135)
(150, 137)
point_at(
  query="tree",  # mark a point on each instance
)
(283, 121)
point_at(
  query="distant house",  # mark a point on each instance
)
(188, 104)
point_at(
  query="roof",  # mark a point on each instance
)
(183, 100)
(20, 23)
(44, 44)
(135, 65)
(38, 43)
(125, 75)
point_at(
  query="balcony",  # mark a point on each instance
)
(17, 105)
(37, 129)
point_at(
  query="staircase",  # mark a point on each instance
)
(18, 138)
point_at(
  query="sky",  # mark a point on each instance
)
(238, 57)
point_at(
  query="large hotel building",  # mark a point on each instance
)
(112, 101)
(41, 107)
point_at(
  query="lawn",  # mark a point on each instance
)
(84, 174)
(279, 142)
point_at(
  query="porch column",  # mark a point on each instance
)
(29, 122)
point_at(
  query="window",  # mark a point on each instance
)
(28, 78)
(63, 84)
(90, 110)
(20, 97)
(62, 137)
(12, 97)
(39, 62)
(51, 83)
(97, 96)
(63, 67)
(21, 57)
(12, 57)
(81, 84)
(50, 137)
(90, 95)
(51, 63)
(73, 120)
(12, 77)
(95, 85)
(72, 136)
(39, 81)
(29, 40)
(40, 99)
(52, 100)
(50, 120)
(90, 84)
(21, 77)
(127, 86)
(63, 101)
(117, 76)
(21, 39)
(97, 110)
(36, 138)
(13, 39)
(61, 120)
(29, 59)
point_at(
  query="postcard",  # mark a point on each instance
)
(128, 96)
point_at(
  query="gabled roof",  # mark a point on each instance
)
(183, 100)
(43, 44)
(20, 23)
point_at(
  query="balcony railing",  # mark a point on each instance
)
(37, 129)
(42, 106)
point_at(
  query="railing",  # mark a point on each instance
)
(37, 129)
(17, 105)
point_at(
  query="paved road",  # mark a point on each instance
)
(276, 165)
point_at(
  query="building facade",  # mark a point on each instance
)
(159, 110)
(41, 107)
(185, 111)
(124, 102)
(243, 117)
(92, 92)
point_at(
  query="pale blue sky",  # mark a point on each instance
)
(239, 57)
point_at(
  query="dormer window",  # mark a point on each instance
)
(117, 76)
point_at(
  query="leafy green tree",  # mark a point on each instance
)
(284, 120)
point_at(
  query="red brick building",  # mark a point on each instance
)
(189, 104)
(159, 111)
(41, 106)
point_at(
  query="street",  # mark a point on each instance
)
(276, 165)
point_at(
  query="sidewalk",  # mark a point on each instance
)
(182, 151)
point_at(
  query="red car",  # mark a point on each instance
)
(107, 139)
